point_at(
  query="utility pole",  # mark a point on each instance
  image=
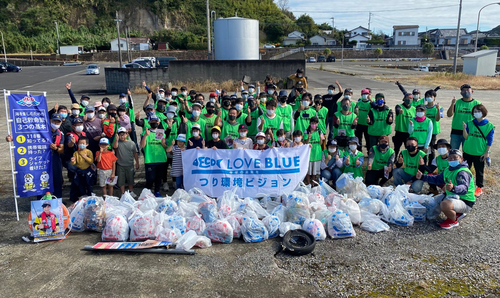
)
(213, 17)
(3, 44)
(117, 20)
(57, 31)
(369, 20)
(333, 24)
(457, 41)
(127, 35)
(209, 47)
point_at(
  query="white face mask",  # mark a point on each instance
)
(170, 115)
(215, 135)
(270, 112)
(121, 113)
(330, 91)
(298, 139)
(300, 76)
(79, 128)
(55, 126)
(364, 96)
(184, 93)
(260, 141)
(174, 93)
(212, 99)
(105, 104)
(353, 147)
(239, 107)
(168, 98)
(101, 116)
(420, 114)
(90, 115)
(347, 96)
(75, 112)
(85, 103)
(442, 150)
(244, 96)
(281, 139)
(263, 100)
(478, 115)
(305, 103)
(251, 90)
(332, 150)
(196, 134)
(243, 134)
(270, 92)
(429, 99)
(124, 100)
(196, 113)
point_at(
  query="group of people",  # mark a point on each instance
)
(99, 141)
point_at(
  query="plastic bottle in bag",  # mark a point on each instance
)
(253, 230)
(272, 224)
(340, 226)
(315, 227)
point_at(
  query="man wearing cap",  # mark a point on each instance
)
(46, 223)
(216, 142)
(209, 117)
(348, 93)
(353, 159)
(155, 157)
(251, 89)
(363, 107)
(404, 113)
(380, 119)
(194, 119)
(459, 197)
(255, 111)
(408, 163)
(106, 166)
(344, 123)
(84, 100)
(92, 126)
(296, 95)
(461, 111)
(63, 113)
(421, 128)
(332, 162)
(126, 154)
(299, 76)
(380, 163)
(270, 120)
(330, 102)
(285, 111)
(229, 127)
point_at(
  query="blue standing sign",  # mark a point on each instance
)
(32, 138)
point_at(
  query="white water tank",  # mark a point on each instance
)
(236, 39)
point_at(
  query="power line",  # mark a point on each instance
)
(361, 11)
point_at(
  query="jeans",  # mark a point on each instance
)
(456, 141)
(154, 174)
(401, 177)
(331, 174)
(179, 182)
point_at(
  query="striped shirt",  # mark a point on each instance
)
(176, 162)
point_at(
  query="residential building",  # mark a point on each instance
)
(448, 37)
(361, 35)
(406, 35)
(293, 38)
(322, 40)
(135, 44)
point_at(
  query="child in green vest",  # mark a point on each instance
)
(353, 159)
(379, 120)
(255, 112)
(433, 112)
(363, 107)
(344, 123)
(421, 128)
(409, 162)
(304, 113)
(478, 135)
(380, 163)
(321, 112)
(229, 127)
(439, 163)
(332, 162)
(404, 113)
(209, 118)
(285, 111)
(314, 137)
(270, 119)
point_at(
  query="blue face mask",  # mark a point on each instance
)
(63, 115)
(466, 94)
(453, 163)
(380, 102)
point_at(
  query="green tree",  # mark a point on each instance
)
(325, 26)
(378, 52)
(428, 49)
(327, 51)
(484, 47)
(306, 25)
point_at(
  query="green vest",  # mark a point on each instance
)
(403, 120)
(315, 141)
(322, 115)
(286, 115)
(357, 171)
(452, 175)
(252, 129)
(363, 110)
(224, 114)
(431, 114)
(380, 126)
(411, 163)
(463, 113)
(420, 130)
(345, 124)
(173, 133)
(442, 164)
(190, 123)
(210, 122)
(242, 118)
(230, 130)
(475, 144)
(304, 118)
(274, 124)
(298, 100)
(380, 160)
(154, 151)
(415, 103)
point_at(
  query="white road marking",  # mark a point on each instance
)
(66, 75)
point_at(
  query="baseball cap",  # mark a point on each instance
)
(162, 99)
(192, 92)
(244, 92)
(283, 93)
(121, 129)
(331, 87)
(365, 91)
(89, 109)
(242, 127)
(181, 137)
(196, 105)
(210, 105)
(332, 142)
(161, 90)
(101, 108)
(84, 96)
(105, 141)
(56, 116)
(251, 86)
(421, 107)
(46, 203)
(317, 96)
(153, 118)
(196, 126)
(465, 86)
(415, 91)
(150, 106)
(77, 120)
(260, 134)
(380, 95)
(172, 109)
(213, 94)
(216, 128)
(455, 151)
(123, 95)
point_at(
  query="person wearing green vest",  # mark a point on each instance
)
(363, 107)
(332, 163)
(321, 112)
(434, 114)
(404, 113)
(285, 111)
(344, 123)
(195, 118)
(171, 125)
(421, 128)
(410, 161)
(304, 114)
(316, 139)
(255, 112)
(380, 163)
(353, 159)
(226, 105)
(347, 94)
(229, 127)
(459, 197)
(379, 120)
(296, 95)
(155, 155)
(439, 163)
(270, 120)
(209, 118)
(461, 111)
(415, 95)
(478, 135)
(242, 117)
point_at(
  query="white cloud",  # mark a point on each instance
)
(387, 13)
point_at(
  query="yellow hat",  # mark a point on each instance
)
(216, 128)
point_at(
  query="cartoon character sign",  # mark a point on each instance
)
(29, 185)
(47, 221)
(44, 180)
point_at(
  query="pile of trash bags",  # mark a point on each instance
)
(193, 219)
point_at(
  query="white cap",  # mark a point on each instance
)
(122, 129)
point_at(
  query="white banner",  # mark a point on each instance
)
(254, 172)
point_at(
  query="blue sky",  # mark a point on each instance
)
(387, 13)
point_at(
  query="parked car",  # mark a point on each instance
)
(311, 59)
(144, 62)
(3, 69)
(268, 46)
(11, 67)
(93, 69)
(421, 68)
(321, 58)
(330, 58)
(132, 65)
(164, 61)
(151, 60)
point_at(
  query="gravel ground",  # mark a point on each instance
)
(418, 261)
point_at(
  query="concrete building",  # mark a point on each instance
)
(294, 38)
(361, 35)
(135, 44)
(321, 40)
(481, 63)
(405, 35)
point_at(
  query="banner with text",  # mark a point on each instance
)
(254, 172)
(32, 138)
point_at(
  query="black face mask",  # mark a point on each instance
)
(226, 103)
(231, 117)
(210, 111)
(112, 114)
(383, 146)
(282, 99)
(154, 125)
(160, 108)
(251, 103)
(411, 148)
(407, 101)
(299, 89)
(318, 103)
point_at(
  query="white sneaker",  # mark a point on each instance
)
(165, 186)
(133, 195)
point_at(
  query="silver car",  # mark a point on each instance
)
(93, 69)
